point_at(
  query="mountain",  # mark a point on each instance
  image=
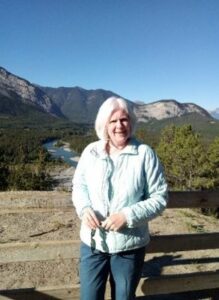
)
(165, 109)
(19, 96)
(215, 113)
(78, 104)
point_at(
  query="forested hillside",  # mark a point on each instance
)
(24, 163)
(191, 161)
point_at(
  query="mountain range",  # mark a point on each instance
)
(19, 98)
(215, 113)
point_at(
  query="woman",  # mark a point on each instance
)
(118, 187)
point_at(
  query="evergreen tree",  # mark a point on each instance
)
(4, 173)
(184, 158)
(213, 156)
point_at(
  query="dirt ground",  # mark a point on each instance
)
(26, 217)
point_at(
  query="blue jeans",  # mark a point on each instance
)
(124, 269)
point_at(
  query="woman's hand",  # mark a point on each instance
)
(90, 219)
(114, 222)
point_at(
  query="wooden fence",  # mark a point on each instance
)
(150, 284)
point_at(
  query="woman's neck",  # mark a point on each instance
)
(113, 149)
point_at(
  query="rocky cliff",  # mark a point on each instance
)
(12, 86)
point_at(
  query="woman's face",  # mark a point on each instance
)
(119, 128)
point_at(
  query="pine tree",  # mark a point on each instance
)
(213, 156)
(185, 159)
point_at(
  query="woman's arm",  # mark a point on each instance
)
(80, 194)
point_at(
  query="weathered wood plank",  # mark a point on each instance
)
(61, 200)
(183, 242)
(193, 199)
(34, 199)
(35, 210)
(38, 251)
(165, 284)
(49, 250)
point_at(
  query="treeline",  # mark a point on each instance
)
(24, 163)
(79, 142)
(23, 160)
(189, 163)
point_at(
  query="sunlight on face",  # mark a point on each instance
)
(119, 129)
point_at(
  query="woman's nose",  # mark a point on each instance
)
(118, 123)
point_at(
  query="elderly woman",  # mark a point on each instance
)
(118, 187)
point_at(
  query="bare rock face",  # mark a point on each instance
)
(164, 109)
(27, 92)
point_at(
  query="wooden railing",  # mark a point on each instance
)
(150, 284)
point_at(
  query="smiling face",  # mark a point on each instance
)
(119, 128)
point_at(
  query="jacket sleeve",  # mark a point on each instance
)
(80, 195)
(156, 193)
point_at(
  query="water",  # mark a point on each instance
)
(69, 156)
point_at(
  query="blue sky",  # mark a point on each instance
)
(141, 49)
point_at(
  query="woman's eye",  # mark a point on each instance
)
(123, 120)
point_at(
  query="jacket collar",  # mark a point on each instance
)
(131, 148)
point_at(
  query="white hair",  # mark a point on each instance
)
(106, 110)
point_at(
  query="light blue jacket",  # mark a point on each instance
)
(134, 185)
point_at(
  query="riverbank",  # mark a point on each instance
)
(62, 152)
(62, 174)
(62, 177)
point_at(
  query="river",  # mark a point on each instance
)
(69, 156)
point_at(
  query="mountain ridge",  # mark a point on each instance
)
(79, 105)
